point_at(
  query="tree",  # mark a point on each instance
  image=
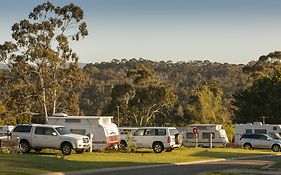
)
(206, 105)
(43, 66)
(142, 99)
(262, 99)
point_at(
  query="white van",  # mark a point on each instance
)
(273, 130)
(219, 137)
(105, 133)
(5, 130)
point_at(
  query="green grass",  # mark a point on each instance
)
(51, 161)
(277, 165)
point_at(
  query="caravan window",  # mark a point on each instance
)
(206, 135)
(260, 131)
(72, 120)
(275, 128)
(78, 131)
(249, 131)
(105, 121)
(190, 135)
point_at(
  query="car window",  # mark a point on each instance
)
(173, 131)
(160, 132)
(44, 131)
(22, 129)
(262, 137)
(63, 130)
(139, 132)
(149, 132)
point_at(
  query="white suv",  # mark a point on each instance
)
(157, 138)
(251, 141)
(37, 137)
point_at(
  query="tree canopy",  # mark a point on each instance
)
(43, 67)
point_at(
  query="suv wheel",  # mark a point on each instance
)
(247, 146)
(275, 148)
(66, 148)
(25, 147)
(158, 147)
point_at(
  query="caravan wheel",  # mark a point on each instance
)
(122, 145)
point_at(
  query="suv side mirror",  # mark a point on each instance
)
(54, 134)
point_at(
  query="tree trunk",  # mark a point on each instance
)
(45, 106)
(54, 101)
(44, 99)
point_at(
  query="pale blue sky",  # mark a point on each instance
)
(234, 31)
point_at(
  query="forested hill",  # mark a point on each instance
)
(182, 77)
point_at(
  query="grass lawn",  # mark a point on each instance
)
(52, 161)
(277, 165)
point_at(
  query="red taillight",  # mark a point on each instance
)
(169, 139)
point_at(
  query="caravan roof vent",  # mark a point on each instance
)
(257, 123)
(60, 115)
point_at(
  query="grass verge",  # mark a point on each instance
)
(52, 161)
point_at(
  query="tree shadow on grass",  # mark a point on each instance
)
(35, 163)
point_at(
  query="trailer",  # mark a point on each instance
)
(105, 134)
(204, 133)
(5, 130)
(273, 130)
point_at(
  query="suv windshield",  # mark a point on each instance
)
(63, 130)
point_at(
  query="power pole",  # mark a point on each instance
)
(263, 119)
(118, 115)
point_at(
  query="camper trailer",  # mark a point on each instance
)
(204, 132)
(273, 130)
(5, 130)
(105, 133)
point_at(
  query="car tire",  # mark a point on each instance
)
(25, 147)
(122, 145)
(38, 149)
(79, 151)
(247, 146)
(275, 148)
(66, 148)
(158, 147)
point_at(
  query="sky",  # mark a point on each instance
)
(232, 31)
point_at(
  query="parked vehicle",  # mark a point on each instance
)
(157, 138)
(5, 130)
(37, 137)
(105, 133)
(219, 137)
(273, 130)
(127, 130)
(264, 141)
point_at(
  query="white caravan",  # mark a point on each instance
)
(105, 133)
(273, 130)
(219, 137)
